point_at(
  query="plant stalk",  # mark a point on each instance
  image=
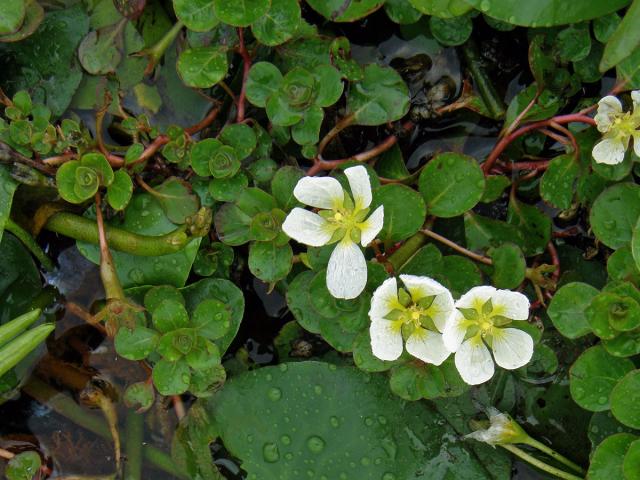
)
(134, 439)
(31, 245)
(532, 442)
(540, 464)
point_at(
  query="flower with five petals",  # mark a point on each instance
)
(617, 127)
(342, 219)
(417, 313)
(479, 325)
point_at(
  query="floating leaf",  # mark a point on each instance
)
(607, 460)
(567, 309)
(615, 213)
(197, 15)
(279, 24)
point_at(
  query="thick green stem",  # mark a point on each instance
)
(86, 230)
(134, 438)
(18, 348)
(108, 274)
(28, 241)
(539, 463)
(481, 80)
(407, 250)
(156, 52)
(65, 406)
(532, 442)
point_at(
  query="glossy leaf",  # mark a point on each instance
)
(567, 309)
(338, 11)
(624, 400)
(240, 13)
(202, 67)
(197, 15)
(615, 213)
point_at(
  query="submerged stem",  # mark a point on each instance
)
(134, 439)
(532, 442)
(539, 463)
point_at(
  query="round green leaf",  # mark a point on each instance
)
(615, 213)
(240, 13)
(279, 24)
(593, 376)
(197, 15)
(224, 162)
(66, 180)
(631, 463)
(120, 191)
(204, 356)
(139, 395)
(451, 31)
(24, 466)
(451, 184)
(558, 182)
(170, 315)
(228, 189)
(156, 295)
(201, 153)
(328, 84)
(625, 400)
(401, 11)
(136, 344)
(380, 97)
(607, 460)
(567, 309)
(509, 266)
(171, 378)
(608, 309)
(282, 185)
(87, 182)
(307, 131)
(264, 79)
(625, 344)
(241, 137)
(338, 11)
(404, 211)
(270, 262)
(98, 52)
(177, 343)
(202, 67)
(98, 163)
(212, 318)
(441, 8)
(12, 15)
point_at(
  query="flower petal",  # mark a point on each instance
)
(360, 186)
(385, 299)
(347, 270)
(427, 346)
(513, 305)
(512, 348)
(386, 339)
(609, 108)
(307, 227)
(636, 141)
(474, 362)
(635, 98)
(454, 331)
(370, 228)
(476, 297)
(608, 151)
(319, 192)
(442, 307)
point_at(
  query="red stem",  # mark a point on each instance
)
(246, 60)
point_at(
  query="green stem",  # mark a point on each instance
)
(86, 230)
(28, 241)
(134, 439)
(65, 406)
(539, 463)
(156, 52)
(108, 274)
(18, 325)
(532, 442)
(18, 348)
(407, 250)
(481, 80)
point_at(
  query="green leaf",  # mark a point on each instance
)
(136, 344)
(176, 199)
(299, 302)
(139, 395)
(212, 318)
(609, 312)
(593, 376)
(156, 295)
(573, 43)
(558, 182)
(546, 13)
(282, 185)
(404, 211)
(279, 24)
(24, 466)
(120, 191)
(98, 163)
(567, 309)
(240, 13)
(32, 20)
(347, 404)
(241, 138)
(7, 189)
(170, 315)
(98, 52)
(66, 181)
(631, 463)
(615, 213)
(534, 225)
(509, 266)
(171, 378)
(494, 186)
(339, 11)
(270, 262)
(202, 67)
(624, 41)
(483, 232)
(307, 131)
(621, 266)
(380, 97)
(264, 79)
(197, 15)
(451, 184)
(451, 32)
(177, 343)
(401, 11)
(12, 15)
(624, 400)
(228, 189)
(442, 8)
(201, 152)
(546, 106)
(603, 27)
(607, 460)
(19, 279)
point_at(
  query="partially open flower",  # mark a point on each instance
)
(617, 127)
(479, 325)
(418, 314)
(503, 430)
(341, 219)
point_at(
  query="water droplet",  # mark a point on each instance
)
(186, 378)
(315, 444)
(343, 476)
(288, 456)
(283, 367)
(136, 275)
(317, 389)
(332, 367)
(311, 473)
(389, 446)
(285, 439)
(368, 421)
(269, 377)
(382, 420)
(250, 438)
(484, 6)
(602, 400)
(270, 452)
(274, 394)
(144, 213)
(512, 19)
(365, 461)
(595, 429)
(388, 476)
(334, 422)
(609, 224)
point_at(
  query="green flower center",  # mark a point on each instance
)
(412, 315)
(482, 319)
(624, 126)
(345, 221)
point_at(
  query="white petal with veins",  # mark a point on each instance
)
(512, 348)
(427, 346)
(385, 299)
(307, 227)
(513, 305)
(386, 339)
(360, 184)
(474, 362)
(347, 270)
(370, 228)
(319, 192)
(609, 151)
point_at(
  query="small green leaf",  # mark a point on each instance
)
(120, 191)
(139, 395)
(202, 67)
(404, 211)
(270, 262)
(451, 184)
(534, 225)
(171, 378)
(177, 343)
(567, 309)
(170, 315)
(557, 186)
(593, 376)
(631, 463)
(98, 51)
(156, 295)
(176, 199)
(98, 162)
(12, 15)
(136, 344)
(615, 213)
(66, 181)
(494, 186)
(228, 189)
(197, 15)
(608, 457)
(212, 319)
(24, 466)
(509, 266)
(624, 40)
(282, 185)
(573, 43)
(279, 24)
(624, 400)
(264, 79)
(402, 12)
(442, 8)
(451, 31)
(241, 138)
(240, 13)
(307, 130)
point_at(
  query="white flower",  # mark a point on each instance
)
(482, 313)
(342, 219)
(418, 314)
(617, 128)
(502, 430)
